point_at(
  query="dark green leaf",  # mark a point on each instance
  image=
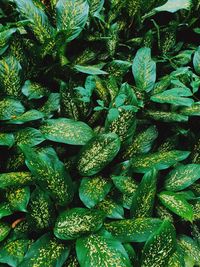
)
(166, 116)
(111, 208)
(194, 110)
(28, 136)
(14, 179)
(10, 108)
(4, 37)
(4, 230)
(7, 139)
(18, 198)
(34, 90)
(31, 115)
(5, 209)
(196, 60)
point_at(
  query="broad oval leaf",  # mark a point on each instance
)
(125, 184)
(18, 198)
(111, 208)
(97, 153)
(5, 209)
(76, 222)
(34, 90)
(4, 37)
(144, 70)
(4, 230)
(14, 179)
(45, 252)
(51, 105)
(99, 250)
(30, 115)
(71, 17)
(196, 60)
(28, 136)
(7, 139)
(10, 108)
(182, 176)
(159, 160)
(160, 246)
(174, 5)
(67, 131)
(177, 204)
(93, 190)
(133, 230)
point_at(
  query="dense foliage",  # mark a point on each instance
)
(99, 133)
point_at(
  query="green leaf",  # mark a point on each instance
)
(31, 115)
(10, 80)
(182, 176)
(143, 198)
(39, 22)
(160, 246)
(111, 208)
(4, 230)
(18, 198)
(175, 96)
(98, 250)
(67, 131)
(34, 90)
(93, 190)
(133, 230)
(50, 173)
(176, 259)
(175, 5)
(45, 252)
(194, 110)
(74, 223)
(71, 17)
(144, 70)
(160, 160)
(196, 60)
(9, 108)
(14, 179)
(28, 136)
(166, 116)
(7, 139)
(40, 211)
(177, 204)
(51, 105)
(91, 70)
(125, 184)
(95, 7)
(5, 209)
(13, 251)
(4, 37)
(97, 153)
(142, 143)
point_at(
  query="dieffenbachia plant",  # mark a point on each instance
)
(99, 133)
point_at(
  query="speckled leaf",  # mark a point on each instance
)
(143, 199)
(31, 115)
(91, 70)
(93, 190)
(176, 259)
(196, 60)
(99, 250)
(196, 210)
(9, 108)
(177, 204)
(174, 5)
(166, 116)
(95, 7)
(7, 139)
(67, 131)
(97, 153)
(51, 105)
(76, 222)
(144, 70)
(40, 211)
(39, 22)
(5, 209)
(133, 230)
(18, 198)
(12, 252)
(72, 16)
(194, 110)
(14, 179)
(50, 173)
(4, 230)
(34, 90)
(45, 252)
(160, 160)
(10, 80)
(125, 184)
(160, 246)
(182, 176)
(142, 143)
(28, 136)
(111, 208)
(4, 37)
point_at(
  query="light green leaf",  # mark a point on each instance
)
(28, 136)
(4, 37)
(4, 230)
(31, 115)
(5, 209)
(144, 70)
(133, 230)
(182, 176)
(14, 179)
(160, 246)
(9, 108)
(7, 139)
(91, 70)
(93, 190)
(74, 223)
(175, 5)
(45, 252)
(196, 60)
(95, 7)
(50, 173)
(160, 160)
(67, 131)
(98, 250)
(177, 204)
(166, 116)
(34, 90)
(18, 198)
(194, 110)
(143, 198)
(97, 153)
(71, 17)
